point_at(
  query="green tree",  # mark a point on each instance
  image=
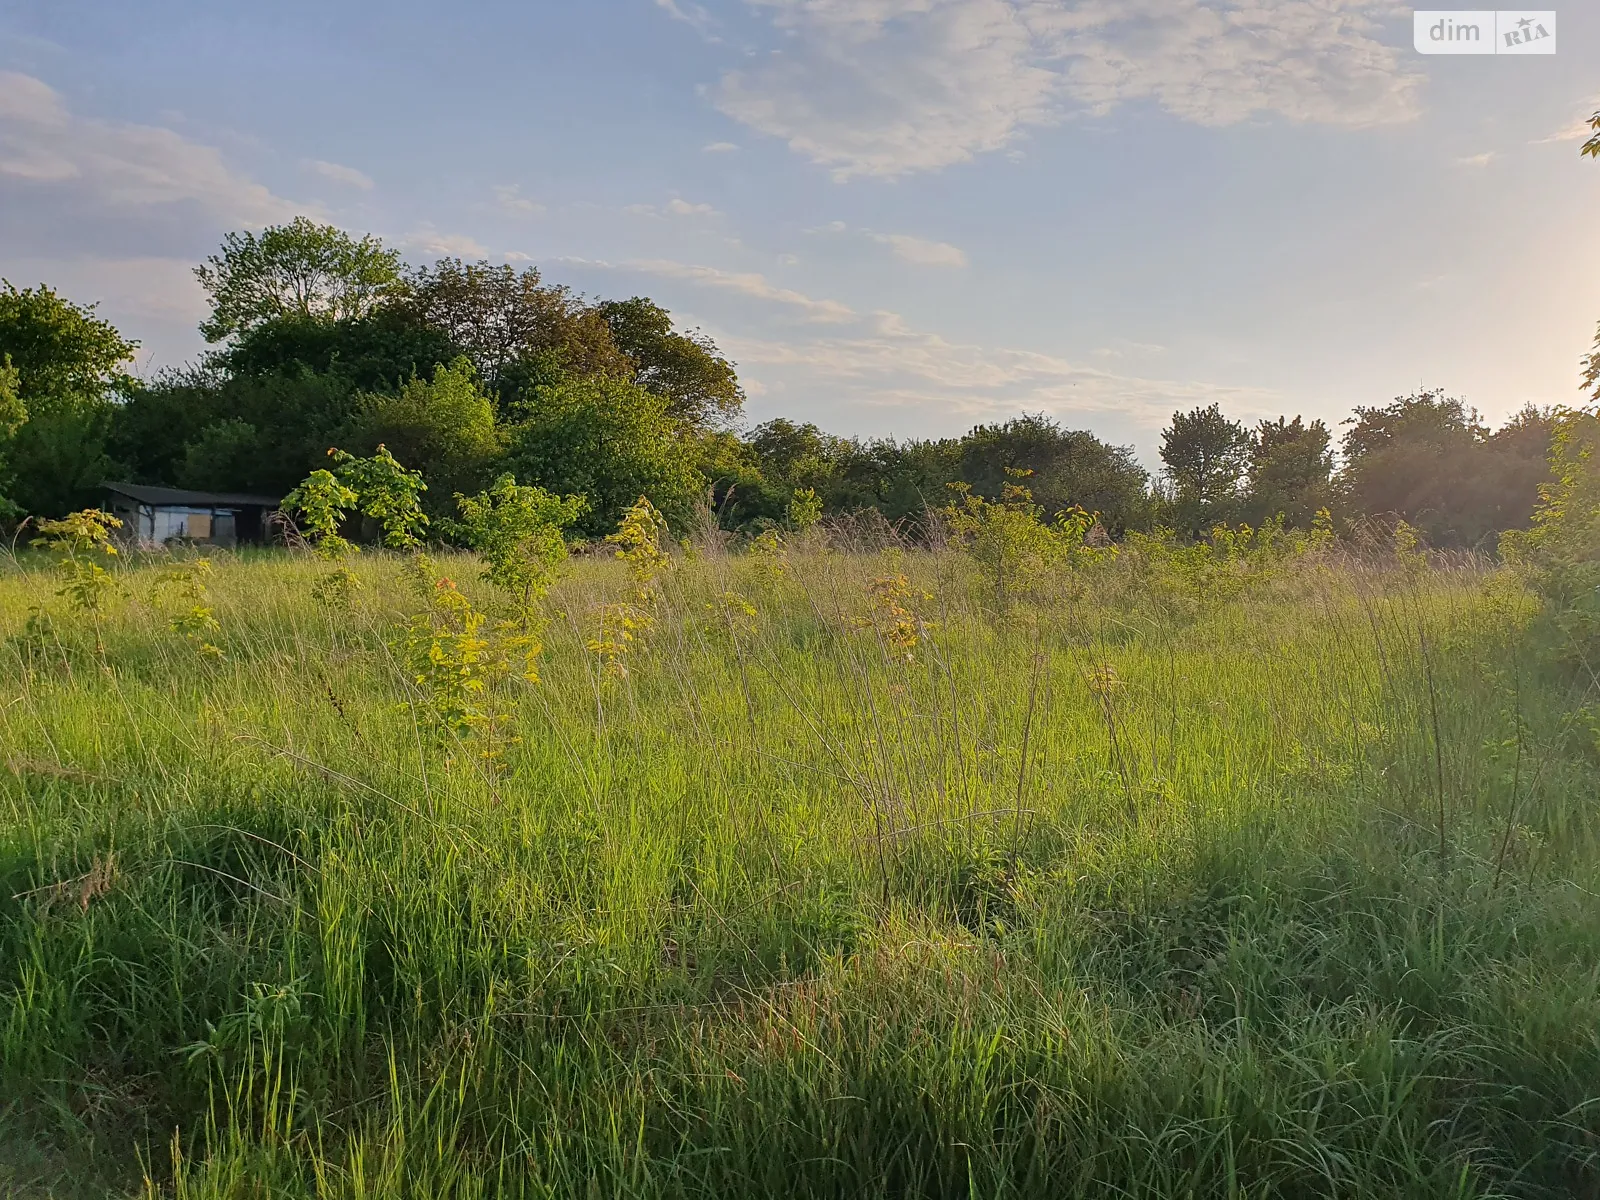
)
(302, 269)
(387, 493)
(1291, 464)
(12, 414)
(1429, 460)
(443, 426)
(69, 370)
(1591, 369)
(221, 458)
(1206, 456)
(152, 429)
(902, 480)
(377, 351)
(61, 350)
(611, 442)
(701, 387)
(1066, 469)
(300, 383)
(519, 531)
(298, 415)
(519, 332)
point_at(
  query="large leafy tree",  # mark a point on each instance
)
(293, 417)
(1428, 459)
(1206, 456)
(12, 414)
(152, 430)
(901, 479)
(701, 387)
(1291, 463)
(302, 269)
(67, 369)
(611, 442)
(520, 332)
(443, 427)
(1069, 468)
(754, 478)
(380, 350)
(61, 350)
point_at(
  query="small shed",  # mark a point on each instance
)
(154, 516)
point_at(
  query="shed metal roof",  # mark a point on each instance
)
(179, 498)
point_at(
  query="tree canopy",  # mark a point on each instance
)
(302, 269)
(65, 370)
(1206, 456)
(517, 330)
(1428, 459)
(700, 387)
(468, 373)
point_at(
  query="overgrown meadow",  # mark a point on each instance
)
(826, 865)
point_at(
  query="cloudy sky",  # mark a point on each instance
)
(898, 216)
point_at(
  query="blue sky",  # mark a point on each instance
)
(898, 216)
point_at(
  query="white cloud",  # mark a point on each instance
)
(1578, 130)
(887, 362)
(878, 358)
(1477, 160)
(675, 207)
(719, 148)
(154, 300)
(338, 173)
(518, 256)
(921, 251)
(445, 245)
(121, 166)
(510, 198)
(160, 289)
(691, 14)
(888, 87)
(1121, 347)
(682, 208)
(750, 284)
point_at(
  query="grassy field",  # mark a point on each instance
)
(1181, 876)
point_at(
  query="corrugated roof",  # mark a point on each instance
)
(178, 497)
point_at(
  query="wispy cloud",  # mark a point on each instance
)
(878, 358)
(888, 87)
(1578, 130)
(921, 251)
(692, 15)
(676, 207)
(445, 245)
(889, 363)
(719, 148)
(339, 173)
(744, 283)
(101, 164)
(1477, 160)
(510, 199)
(1122, 348)
(682, 208)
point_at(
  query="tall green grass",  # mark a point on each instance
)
(1242, 882)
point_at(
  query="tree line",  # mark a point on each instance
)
(468, 372)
